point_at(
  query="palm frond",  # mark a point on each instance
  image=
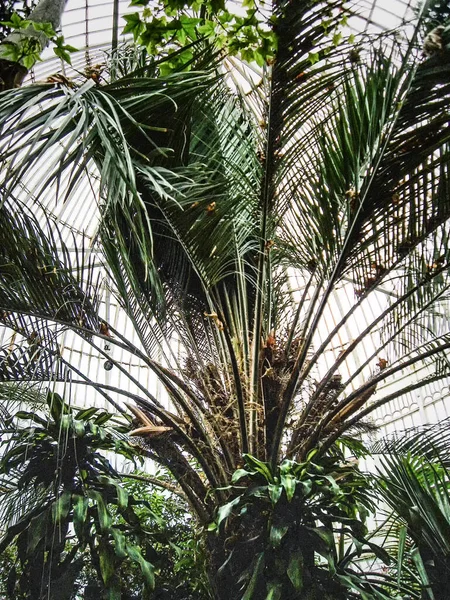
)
(41, 278)
(428, 440)
(419, 491)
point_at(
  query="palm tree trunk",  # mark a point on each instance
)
(13, 73)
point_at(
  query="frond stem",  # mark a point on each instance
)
(380, 377)
(158, 482)
(414, 386)
(355, 343)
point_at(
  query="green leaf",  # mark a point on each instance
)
(313, 57)
(225, 511)
(325, 535)
(337, 38)
(119, 543)
(421, 569)
(37, 531)
(134, 25)
(16, 22)
(274, 590)
(334, 486)
(104, 516)
(315, 469)
(401, 552)
(103, 418)
(217, 6)
(65, 422)
(29, 60)
(80, 512)
(277, 532)
(260, 58)
(11, 51)
(289, 482)
(248, 54)
(256, 573)
(189, 25)
(239, 474)
(46, 28)
(287, 466)
(259, 466)
(311, 454)
(31, 416)
(306, 487)
(56, 405)
(275, 492)
(63, 55)
(61, 507)
(147, 569)
(207, 28)
(258, 491)
(70, 48)
(122, 496)
(295, 570)
(78, 428)
(86, 413)
(380, 553)
(107, 561)
(16, 454)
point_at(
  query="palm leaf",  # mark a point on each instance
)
(419, 490)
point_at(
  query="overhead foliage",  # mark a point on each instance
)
(28, 51)
(172, 28)
(8, 8)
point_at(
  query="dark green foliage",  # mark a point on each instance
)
(298, 532)
(175, 29)
(177, 550)
(61, 497)
(414, 480)
(438, 13)
(8, 8)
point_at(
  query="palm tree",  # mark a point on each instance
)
(234, 211)
(414, 481)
